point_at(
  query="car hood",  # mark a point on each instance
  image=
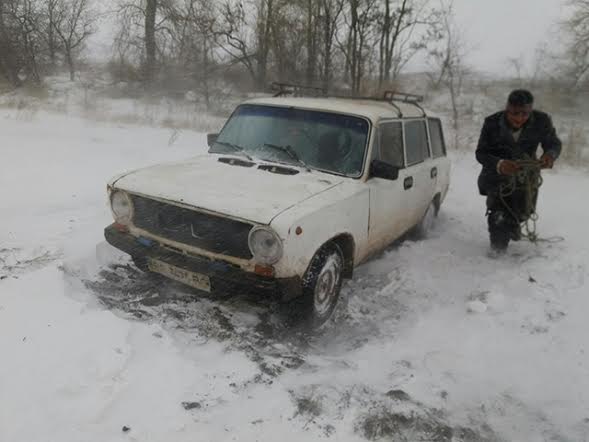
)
(248, 193)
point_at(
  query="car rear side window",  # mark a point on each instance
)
(391, 144)
(416, 142)
(437, 138)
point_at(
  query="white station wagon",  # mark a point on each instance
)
(293, 194)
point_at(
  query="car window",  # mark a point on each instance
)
(437, 138)
(416, 141)
(322, 140)
(391, 144)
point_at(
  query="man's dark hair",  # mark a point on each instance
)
(520, 97)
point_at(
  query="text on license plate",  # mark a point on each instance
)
(196, 280)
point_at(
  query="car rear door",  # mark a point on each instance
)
(440, 160)
(420, 181)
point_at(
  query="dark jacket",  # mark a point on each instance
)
(497, 143)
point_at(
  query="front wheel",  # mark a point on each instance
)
(321, 287)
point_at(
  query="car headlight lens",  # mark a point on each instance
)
(265, 245)
(121, 206)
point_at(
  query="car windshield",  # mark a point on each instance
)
(316, 140)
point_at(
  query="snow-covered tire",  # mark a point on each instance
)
(321, 288)
(423, 229)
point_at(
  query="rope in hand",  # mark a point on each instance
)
(527, 180)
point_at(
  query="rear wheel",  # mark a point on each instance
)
(423, 229)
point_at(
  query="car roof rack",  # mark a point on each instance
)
(389, 96)
(404, 97)
(297, 90)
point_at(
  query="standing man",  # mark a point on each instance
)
(507, 136)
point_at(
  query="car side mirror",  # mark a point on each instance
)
(211, 138)
(386, 171)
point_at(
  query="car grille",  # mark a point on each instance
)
(198, 229)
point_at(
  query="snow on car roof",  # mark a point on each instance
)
(371, 109)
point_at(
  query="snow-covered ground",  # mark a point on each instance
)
(435, 341)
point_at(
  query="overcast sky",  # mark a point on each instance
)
(499, 29)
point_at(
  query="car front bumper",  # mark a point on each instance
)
(224, 277)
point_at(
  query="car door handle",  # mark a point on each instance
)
(434, 172)
(408, 183)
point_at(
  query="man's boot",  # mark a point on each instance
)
(516, 232)
(500, 230)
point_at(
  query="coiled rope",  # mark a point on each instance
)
(527, 180)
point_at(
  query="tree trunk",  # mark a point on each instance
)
(8, 65)
(326, 47)
(455, 112)
(7, 69)
(150, 47)
(51, 33)
(392, 28)
(205, 73)
(383, 42)
(70, 63)
(264, 32)
(31, 56)
(311, 42)
(353, 45)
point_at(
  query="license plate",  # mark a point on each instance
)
(196, 280)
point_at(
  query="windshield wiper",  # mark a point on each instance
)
(236, 148)
(290, 152)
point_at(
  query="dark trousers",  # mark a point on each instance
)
(504, 217)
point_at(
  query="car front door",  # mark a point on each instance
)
(390, 200)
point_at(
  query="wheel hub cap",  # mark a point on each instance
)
(327, 284)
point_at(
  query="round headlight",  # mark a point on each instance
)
(265, 245)
(121, 206)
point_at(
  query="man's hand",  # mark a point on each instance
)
(547, 161)
(508, 167)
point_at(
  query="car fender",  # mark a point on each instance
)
(305, 228)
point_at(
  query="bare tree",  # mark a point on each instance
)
(21, 40)
(10, 63)
(359, 18)
(282, 39)
(193, 30)
(331, 11)
(235, 36)
(265, 17)
(73, 23)
(291, 58)
(312, 13)
(150, 45)
(53, 46)
(517, 63)
(578, 29)
(144, 36)
(398, 21)
(447, 62)
(248, 39)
